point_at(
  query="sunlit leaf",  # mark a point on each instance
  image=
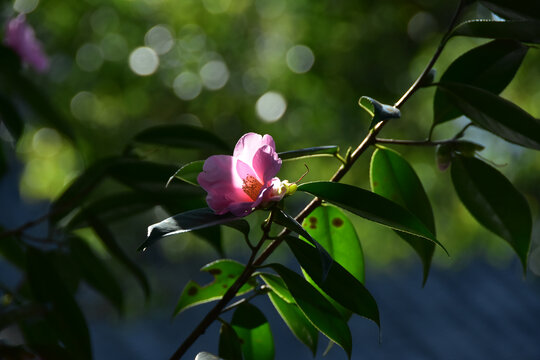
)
(229, 343)
(491, 67)
(296, 321)
(329, 150)
(182, 136)
(95, 272)
(527, 31)
(254, 332)
(378, 111)
(277, 285)
(225, 273)
(391, 176)
(189, 172)
(370, 206)
(495, 114)
(494, 203)
(317, 308)
(185, 222)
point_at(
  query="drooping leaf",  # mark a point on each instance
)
(296, 321)
(95, 272)
(225, 273)
(523, 9)
(329, 150)
(254, 332)
(189, 172)
(340, 284)
(65, 317)
(184, 222)
(317, 308)
(182, 136)
(391, 176)
(110, 243)
(495, 114)
(290, 223)
(370, 206)
(527, 31)
(378, 111)
(494, 203)
(229, 343)
(490, 67)
(11, 118)
(277, 285)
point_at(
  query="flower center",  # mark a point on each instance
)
(252, 187)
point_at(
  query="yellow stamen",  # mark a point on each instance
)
(252, 187)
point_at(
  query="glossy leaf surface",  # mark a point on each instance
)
(495, 114)
(391, 176)
(514, 9)
(317, 308)
(494, 203)
(278, 286)
(189, 172)
(527, 31)
(491, 67)
(254, 333)
(329, 150)
(370, 206)
(225, 273)
(229, 343)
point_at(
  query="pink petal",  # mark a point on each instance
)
(266, 163)
(248, 145)
(21, 38)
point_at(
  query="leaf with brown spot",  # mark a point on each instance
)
(225, 273)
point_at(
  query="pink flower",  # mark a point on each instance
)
(242, 182)
(21, 38)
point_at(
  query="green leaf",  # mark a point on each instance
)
(527, 31)
(340, 284)
(296, 321)
(490, 67)
(185, 222)
(317, 308)
(514, 9)
(378, 111)
(11, 118)
(391, 176)
(225, 273)
(494, 203)
(329, 150)
(290, 223)
(276, 284)
(370, 206)
(254, 333)
(182, 136)
(495, 114)
(95, 272)
(110, 243)
(229, 343)
(142, 175)
(189, 172)
(65, 317)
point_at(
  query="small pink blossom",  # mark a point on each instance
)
(244, 181)
(21, 38)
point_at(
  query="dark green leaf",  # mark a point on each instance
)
(495, 114)
(296, 321)
(225, 273)
(11, 118)
(277, 285)
(229, 343)
(141, 175)
(189, 172)
(317, 308)
(378, 111)
(329, 150)
(254, 333)
(95, 272)
(340, 284)
(510, 9)
(391, 176)
(494, 202)
(527, 31)
(182, 136)
(370, 206)
(490, 67)
(12, 250)
(110, 243)
(290, 223)
(184, 222)
(65, 318)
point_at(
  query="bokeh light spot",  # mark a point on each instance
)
(89, 57)
(214, 74)
(187, 85)
(46, 142)
(300, 59)
(271, 106)
(270, 8)
(25, 6)
(160, 39)
(143, 61)
(216, 6)
(83, 105)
